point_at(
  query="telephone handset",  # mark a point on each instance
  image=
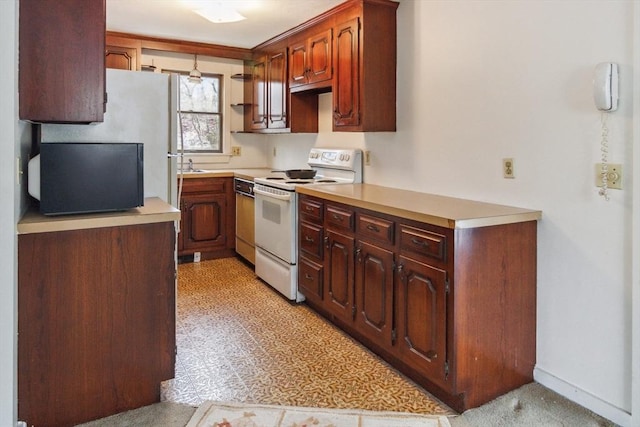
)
(605, 96)
(605, 86)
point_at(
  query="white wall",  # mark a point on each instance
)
(481, 81)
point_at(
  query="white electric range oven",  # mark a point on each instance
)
(276, 215)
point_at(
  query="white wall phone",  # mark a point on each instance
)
(605, 96)
(605, 86)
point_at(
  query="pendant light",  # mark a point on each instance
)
(195, 76)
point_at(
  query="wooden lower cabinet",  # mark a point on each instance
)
(421, 322)
(339, 275)
(96, 321)
(454, 309)
(208, 218)
(374, 292)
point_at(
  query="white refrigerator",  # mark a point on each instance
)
(142, 108)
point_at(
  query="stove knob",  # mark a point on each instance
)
(341, 156)
(347, 157)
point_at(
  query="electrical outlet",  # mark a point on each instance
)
(236, 150)
(614, 175)
(507, 168)
(367, 158)
(274, 151)
(196, 257)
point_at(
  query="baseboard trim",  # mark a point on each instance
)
(582, 397)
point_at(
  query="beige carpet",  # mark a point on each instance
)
(216, 414)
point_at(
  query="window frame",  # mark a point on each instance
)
(219, 114)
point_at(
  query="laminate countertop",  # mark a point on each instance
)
(154, 210)
(432, 209)
(248, 174)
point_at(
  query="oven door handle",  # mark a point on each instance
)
(285, 197)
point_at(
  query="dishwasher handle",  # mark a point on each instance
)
(285, 197)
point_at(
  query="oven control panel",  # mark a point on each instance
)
(349, 159)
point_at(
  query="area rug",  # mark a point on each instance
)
(217, 414)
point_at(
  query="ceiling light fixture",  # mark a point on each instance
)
(219, 13)
(195, 76)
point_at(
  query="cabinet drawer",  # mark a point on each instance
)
(376, 228)
(206, 185)
(311, 209)
(339, 217)
(310, 279)
(311, 239)
(423, 242)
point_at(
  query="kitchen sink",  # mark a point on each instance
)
(195, 171)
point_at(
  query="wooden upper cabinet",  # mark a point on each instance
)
(62, 61)
(346, 91)
(122, 58)
(269, 99)
(277, 90)
(259, 94)
(310, 61)
(364, 57)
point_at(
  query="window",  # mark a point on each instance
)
(200, 118)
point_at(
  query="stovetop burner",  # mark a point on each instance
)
(332, 166)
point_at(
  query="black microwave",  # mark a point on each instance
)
(87, 177)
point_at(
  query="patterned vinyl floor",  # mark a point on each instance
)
(240, 341)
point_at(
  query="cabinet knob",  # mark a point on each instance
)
(372, 227)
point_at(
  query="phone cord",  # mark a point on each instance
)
(604, 149)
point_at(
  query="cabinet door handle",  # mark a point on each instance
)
(308, 276)
(308, 208)
(326, 241)
(336, 217)
(419, 242)
(308, 239)
(372, 227)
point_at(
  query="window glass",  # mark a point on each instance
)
(201, 114)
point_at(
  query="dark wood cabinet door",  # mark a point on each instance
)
(277, 91)
(205, 221)
(346, 90)
(121, 58)
(96, 321)
(298, 63)
(62, 72)
(339, 275)
(208, 208)
(319, 67)
(374, 293)
(422, 319)
(259, 94)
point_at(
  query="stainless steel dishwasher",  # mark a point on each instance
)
(245, 219)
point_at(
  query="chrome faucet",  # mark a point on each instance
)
(190, 165)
